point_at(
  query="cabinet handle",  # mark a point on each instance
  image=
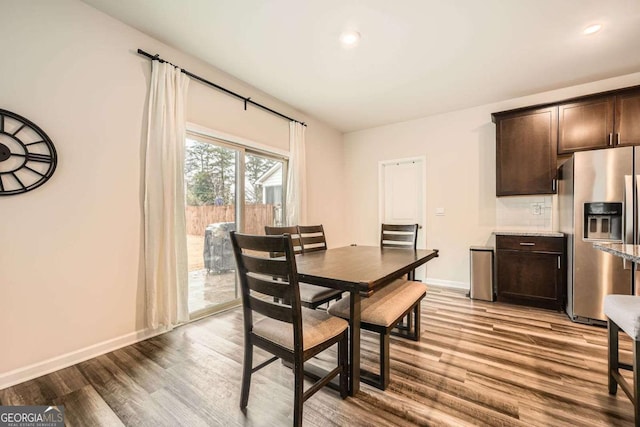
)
(610, 140)
(618, 138)
(553, 184)
(527, 244)
(558, 262)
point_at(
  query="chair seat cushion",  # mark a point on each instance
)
(385, 306)
(312, 293)
(317, 327)
(624, 310)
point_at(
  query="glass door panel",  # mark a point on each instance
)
(264, 180)
(211, 173)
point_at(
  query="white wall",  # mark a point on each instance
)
(71, 265)
(460, 151)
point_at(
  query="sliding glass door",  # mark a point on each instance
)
(228, 188)
(264, 192)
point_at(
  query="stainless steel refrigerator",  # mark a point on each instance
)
(597, 200)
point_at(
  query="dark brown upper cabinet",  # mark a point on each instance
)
(586, 125)
(627, 118)
(526, 143)
(599, 122)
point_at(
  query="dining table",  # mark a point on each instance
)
(361, 271)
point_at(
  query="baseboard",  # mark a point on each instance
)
(447, 283)
(17, 376)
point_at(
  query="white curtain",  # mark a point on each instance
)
(164, 200)
(296, 176)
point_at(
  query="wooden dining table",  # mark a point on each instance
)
(361, 271)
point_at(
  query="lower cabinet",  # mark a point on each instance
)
(531, 271)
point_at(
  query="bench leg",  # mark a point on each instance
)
(416, 320)
(384, 361)
(613, 355)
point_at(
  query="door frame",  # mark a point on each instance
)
(422, 240)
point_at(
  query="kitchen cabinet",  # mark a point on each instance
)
(526, 144)
(627, 119)
(531, 271)
(599, 122)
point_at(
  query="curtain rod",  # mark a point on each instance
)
(246, 100)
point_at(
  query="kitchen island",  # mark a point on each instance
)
(628, 252)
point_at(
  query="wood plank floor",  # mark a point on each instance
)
(477, 363)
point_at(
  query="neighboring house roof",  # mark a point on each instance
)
(272, 177)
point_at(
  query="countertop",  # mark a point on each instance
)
(530, 233)
(628, 252)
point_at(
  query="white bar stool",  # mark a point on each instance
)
(623, 312)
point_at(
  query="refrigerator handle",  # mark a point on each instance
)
(627, 236)
(636, 201)
(636, 214)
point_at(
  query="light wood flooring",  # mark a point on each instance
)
(477, 364)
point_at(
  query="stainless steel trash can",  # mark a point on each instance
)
(481, 273)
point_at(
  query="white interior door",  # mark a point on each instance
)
(402, 195)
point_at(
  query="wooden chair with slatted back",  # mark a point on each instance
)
(403, 236)
(288, 331)
(290, 230)
(312, 238)
(311, 296)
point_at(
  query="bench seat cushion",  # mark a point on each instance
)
(386, 305)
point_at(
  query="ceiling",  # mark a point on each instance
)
(415, 57)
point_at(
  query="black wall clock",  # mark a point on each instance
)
(27, 155)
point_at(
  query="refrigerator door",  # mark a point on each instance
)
(565, 220)
(599, 176)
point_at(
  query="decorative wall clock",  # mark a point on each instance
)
(27, 155)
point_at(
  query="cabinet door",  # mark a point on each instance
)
(526, 152)
(627, 123)
(531, 278)
(586, 125)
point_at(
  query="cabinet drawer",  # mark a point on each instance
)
(530, 243)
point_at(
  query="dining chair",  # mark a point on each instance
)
(288, 331)
(313, 238)
(404, 236)
(290, 230)
(311, 296)
(380, 313)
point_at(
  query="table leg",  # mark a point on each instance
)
(354, 344)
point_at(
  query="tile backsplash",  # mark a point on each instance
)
(525, 213)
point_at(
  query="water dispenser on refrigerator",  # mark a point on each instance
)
(603, 221)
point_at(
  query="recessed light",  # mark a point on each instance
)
(350, 38)
(592, 29)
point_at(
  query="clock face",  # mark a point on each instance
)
(27, 155)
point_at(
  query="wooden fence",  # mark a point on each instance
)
(256, 217)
